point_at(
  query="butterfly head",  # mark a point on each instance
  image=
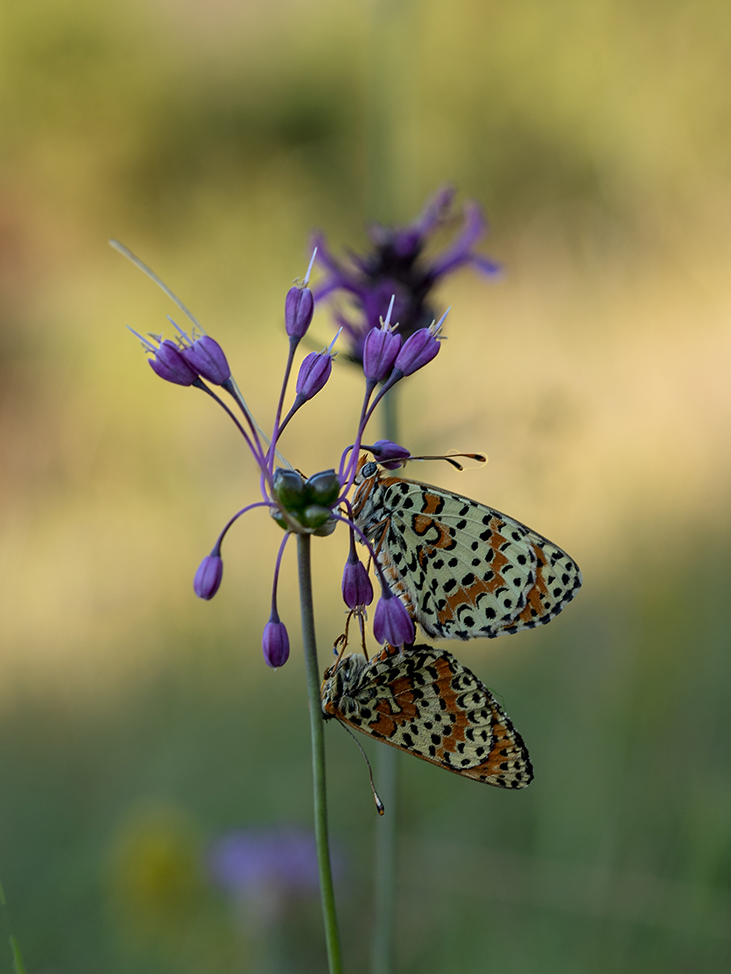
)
(340, 682)
(369, 470)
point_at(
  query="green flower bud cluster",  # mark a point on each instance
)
(308, 502)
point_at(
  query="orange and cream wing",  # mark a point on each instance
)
(462, 569)
(425, 702)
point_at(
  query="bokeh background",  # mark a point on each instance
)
(140, 725)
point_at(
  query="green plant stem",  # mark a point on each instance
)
(387, 767)
(312, 671)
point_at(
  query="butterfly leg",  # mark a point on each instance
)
(361, 623)
(341, 642)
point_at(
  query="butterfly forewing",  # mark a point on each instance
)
(463, 569)
(557, 580)
(425, 702)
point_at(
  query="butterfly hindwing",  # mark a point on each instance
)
(425, 702)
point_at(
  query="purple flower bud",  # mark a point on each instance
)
(392, 622)
(357, 588)
(313, 374)
(208, 577)
(207, 358)
(419, 349)
(298, 309)
(170, 365)
(379, 353)
(385, 450)
(275, 642)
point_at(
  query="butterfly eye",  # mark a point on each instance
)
(369, 469)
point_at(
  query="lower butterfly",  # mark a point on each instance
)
(425, 702)
(461, 568)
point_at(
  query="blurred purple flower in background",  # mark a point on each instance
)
(396, 265)
(247, 862)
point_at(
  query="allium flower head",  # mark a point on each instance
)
(315, 504)
(398, 265)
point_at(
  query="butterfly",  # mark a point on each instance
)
(425, 702)
(461, 568)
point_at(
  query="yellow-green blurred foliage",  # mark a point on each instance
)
(211, 138)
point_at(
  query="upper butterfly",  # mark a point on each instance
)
(426, 702)
(461, 568)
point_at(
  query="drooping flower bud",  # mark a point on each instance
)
(389, 454)
(299, 307)
(357, 588)
(313, 374)
(275, 642)
(208, 577)
(392, 622)
(380, 350)
(418, 350)
(169, 364)
(206, 356)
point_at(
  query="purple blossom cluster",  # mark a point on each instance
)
(388, 350)
(398, 265)
(243, 861)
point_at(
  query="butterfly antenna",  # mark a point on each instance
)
(380, 807)
(480, 457)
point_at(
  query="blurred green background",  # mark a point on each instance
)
(139, 723)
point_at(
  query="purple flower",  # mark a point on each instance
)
(384, 450)
(275, 642)
(357, 588)
(208, 577)
(418, 350)
(380, 349)
(206, 357)
(246, 861)
(313, 374)
(392, 622)
(397, 265)
(299, 307)
(389, 454)
(169, 364)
